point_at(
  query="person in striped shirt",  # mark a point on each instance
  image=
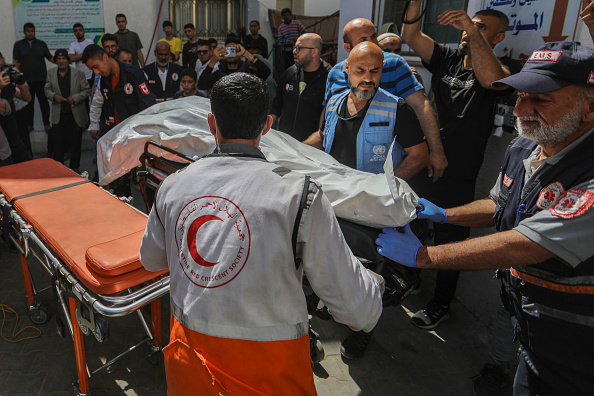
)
(288, 33)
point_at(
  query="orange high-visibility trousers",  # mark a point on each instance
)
(199, 364)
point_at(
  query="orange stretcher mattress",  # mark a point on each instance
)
(94, 234)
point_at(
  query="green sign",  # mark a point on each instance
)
(53, 19)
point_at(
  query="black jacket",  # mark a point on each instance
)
(300, 113)
(131, 95)
(172, 83)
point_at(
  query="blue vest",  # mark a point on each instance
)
(553, 318)
(375, 135)
(574, 168)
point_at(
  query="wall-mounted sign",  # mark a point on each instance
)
(535, 22)
(53, 19)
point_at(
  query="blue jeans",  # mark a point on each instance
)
(502, 348)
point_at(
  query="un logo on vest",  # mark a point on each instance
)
(213, 240)
(380, 149)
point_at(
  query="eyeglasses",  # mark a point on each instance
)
(297, 48)
(109, 46)
(394, 51)
(204, 52)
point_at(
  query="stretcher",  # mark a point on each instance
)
(88, 242)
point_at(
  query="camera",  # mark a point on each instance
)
(16, 78)
(231, 52)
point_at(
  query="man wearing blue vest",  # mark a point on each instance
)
(358, 129)
(397, 78)
(361, 123)
(541, 205)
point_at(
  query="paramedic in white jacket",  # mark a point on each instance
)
(237, 233)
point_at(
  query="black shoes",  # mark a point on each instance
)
(489, 381)
(354, 346)
(430, 316)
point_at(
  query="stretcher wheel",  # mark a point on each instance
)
(153, 354)
(38, 315)
(85, 330)
(77, 391)
(101, 328)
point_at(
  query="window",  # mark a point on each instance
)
(212, 18)
(391, 11)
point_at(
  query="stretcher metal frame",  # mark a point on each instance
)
(67, 286)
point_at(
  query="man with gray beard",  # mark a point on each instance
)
(542, 206)
(360, 124)
(163, 76)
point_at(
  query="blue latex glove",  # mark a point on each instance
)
(432, 212)
(398, 246)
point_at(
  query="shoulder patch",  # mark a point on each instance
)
(550, 195)
(144, 89)
(573, 203)
(507, 181)
(128, 89)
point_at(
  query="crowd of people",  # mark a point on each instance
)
(370, 113)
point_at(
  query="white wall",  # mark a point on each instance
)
(349, 10)
(320, 8)
(7, 30)
(258, 10)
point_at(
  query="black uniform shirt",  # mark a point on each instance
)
(172, 80)
(30, 56)
(131, 95)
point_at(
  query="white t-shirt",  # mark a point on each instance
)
(77, 48)
(163, 76)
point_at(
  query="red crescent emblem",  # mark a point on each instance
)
(228, 241)
(192, 231)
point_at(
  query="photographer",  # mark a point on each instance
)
(10, 87)
(230, 60)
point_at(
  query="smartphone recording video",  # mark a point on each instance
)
(231, 52)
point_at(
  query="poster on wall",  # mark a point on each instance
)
(532, 23)
(53, 19)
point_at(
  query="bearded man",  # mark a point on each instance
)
(163, 76)
(541, 204)
(360, 124)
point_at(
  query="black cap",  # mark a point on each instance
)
(62, 52)
(553, 66)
